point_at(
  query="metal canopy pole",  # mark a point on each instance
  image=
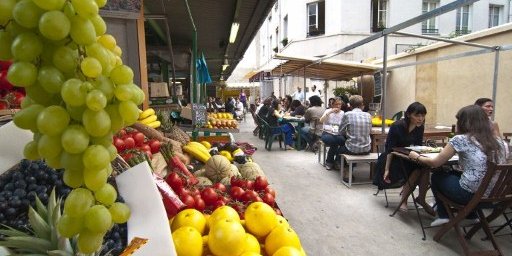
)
(495, 78)
(428, 15)
(384, 83)
(304, 89)
(446, 40)
(194, 55)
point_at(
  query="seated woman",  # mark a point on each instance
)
(314, 112)
(297, 109)
(488, 106)
(475, 144)
(273, 117)
(403, 133)
(331, 137)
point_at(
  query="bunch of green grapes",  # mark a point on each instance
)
(79, 94)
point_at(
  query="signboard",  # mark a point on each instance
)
(377, 88)
(125, 9)
(199, 117)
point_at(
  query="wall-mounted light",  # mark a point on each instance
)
(225, 64)
(234, 32)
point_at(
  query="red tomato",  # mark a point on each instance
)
(225, 199)
(121, 133)
(249, 196)
(195, 192)
(154, 145)
(260, 183)
(196, 197)
(236, 192)
(5, 64)
(269, 199)
(119, 144)
(209, 195)
(200, 205)
(129, 143)
(271, 191)
(144, 147)
(3, 105)
(219, 186)
(218, 204)
(183, 191)
(174, 180)
(18, 97)
(127, 156)
(4, 84)
(249, 184)
(234, 181)
(139, 138)
(188, 200)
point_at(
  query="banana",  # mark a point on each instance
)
(199, 147)
(197, 154)
(148, 119)
(146, 113)
(154, 124)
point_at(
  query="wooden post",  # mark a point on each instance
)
(143, 64)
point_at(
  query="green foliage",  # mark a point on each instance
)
(351, 90)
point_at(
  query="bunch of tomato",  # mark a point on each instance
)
(14, 96)
(238, 195)
(127, 141)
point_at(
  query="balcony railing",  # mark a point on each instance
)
(460, 32)
(315, 32)
(430, 31)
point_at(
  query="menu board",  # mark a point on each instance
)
(199, 117)
(378, 84)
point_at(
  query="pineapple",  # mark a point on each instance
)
(44, 238)
(170, 129)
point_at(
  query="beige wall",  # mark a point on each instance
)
(446, 86)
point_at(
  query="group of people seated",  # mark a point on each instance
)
(234, 105)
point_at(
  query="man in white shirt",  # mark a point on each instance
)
(314, 91)
(298, 95)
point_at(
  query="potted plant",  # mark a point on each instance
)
(284, 41)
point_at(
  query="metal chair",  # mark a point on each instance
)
(499, 199)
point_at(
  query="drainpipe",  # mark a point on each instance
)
(194, 56)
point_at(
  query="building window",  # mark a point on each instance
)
(494, 15)
(316, 18)
(463, 23)
(379, 15)
(429, 26)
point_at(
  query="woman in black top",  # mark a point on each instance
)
(272, 119)
(403, 133)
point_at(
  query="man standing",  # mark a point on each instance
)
(243, 98)
(314, 91)
(298, 95)
(356, 125)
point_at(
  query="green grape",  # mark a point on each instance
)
(85, 8)
(26, 47)
(123, 92)
(91, 67)
(27, 13)
(96, 123)
(138, 95)
(6, 7)
(73, 92)
(99, 52)
(106, 86)
(69, 226)
(96, 100)
(65, 59)
(22, 74)
(76, 113)
(82, 31)
(95, 180)
(15, 29)
(129, 112)
(113, 152)
(105, 140)
(50, 78)
(101, 3)
(120, 212)
(95, 158)
(99, 25)
(106, 195)
(26, 118)
(27, 101)
(117, 122)
(54, 162)
(119, 61)
(5, 45)
(109, 170)
(54, 25)
(121, 75)
(53, 120)
(98, 219)
(78, 202)
(38, 94)
(49, 146)
(50, 4)
(69, 10)
(118, 51)
(112, 58)
(75, 139)
(108, 41)
(72, 161)
(88, 85)
(73, 178)
(89, 242)
(30, 151)
(49, 49)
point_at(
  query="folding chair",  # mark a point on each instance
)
(270, 136)
(499, 199)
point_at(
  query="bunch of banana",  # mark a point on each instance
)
(197, 150)
(148, 117)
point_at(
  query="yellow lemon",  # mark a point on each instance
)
(227, 237)
(260, 219)
(252, 244)
(287, 251)
(187, 241)
(223, 212)
(280, 237)
(189, 217)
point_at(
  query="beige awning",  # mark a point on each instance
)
(325, 70)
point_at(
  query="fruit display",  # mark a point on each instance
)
(79, 94)
(377, 121)
(149, 118)
(221, 121)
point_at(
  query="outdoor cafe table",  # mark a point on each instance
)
(430, 132)
(297, 122)
(403, 153)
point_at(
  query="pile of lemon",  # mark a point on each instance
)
(263, 232)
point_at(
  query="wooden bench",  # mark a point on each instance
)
(352, 159)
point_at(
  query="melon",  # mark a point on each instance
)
(217, 168)
(251, 170)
